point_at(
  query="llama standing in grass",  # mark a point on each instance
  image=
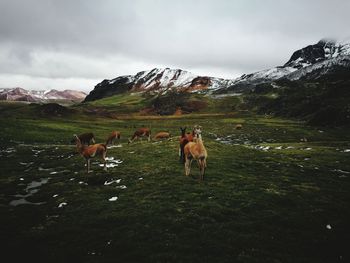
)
(196, 151)
(91, 151)
(184, 139)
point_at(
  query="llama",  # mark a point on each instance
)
(111, 138)
(91, 151)
(196, 151)
(239, 126)
(161, 135)
(85, 138)
(139, 133)
(184, 139)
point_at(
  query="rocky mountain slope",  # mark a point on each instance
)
(157, 81)
(313, 61)
(19, 94)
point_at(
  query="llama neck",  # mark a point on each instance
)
(80, 147)
(199, 140)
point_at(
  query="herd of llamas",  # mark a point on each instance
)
(191, 146)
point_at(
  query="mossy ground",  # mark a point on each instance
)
(266, 197)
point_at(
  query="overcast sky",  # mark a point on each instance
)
(72, 44)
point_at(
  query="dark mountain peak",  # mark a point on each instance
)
(307, 55)
(327, 41)
(324, 49)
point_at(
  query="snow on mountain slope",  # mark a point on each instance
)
(158, 81)
(321, 68)
(263, 75)
(320, 58)
(19, 94)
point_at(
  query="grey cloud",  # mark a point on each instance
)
(93, 39)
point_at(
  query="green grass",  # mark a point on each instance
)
(253, 206)
(122, 103)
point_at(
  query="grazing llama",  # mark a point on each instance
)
(196, 151)
(139, 133)
(184, 139)
(91, 151)
(111, 138)
(161, 135)
(85, 138)
(239, 126)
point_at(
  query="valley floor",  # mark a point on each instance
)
(269, 195)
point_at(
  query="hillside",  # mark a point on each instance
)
(321, 101)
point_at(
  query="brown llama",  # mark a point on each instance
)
(196, 151)
(161, 135)
(111, 138)
(86, 138)
(91, 151)
(239, 126)
(139, 133)
(184, 139)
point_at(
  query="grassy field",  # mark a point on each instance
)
(267, 196)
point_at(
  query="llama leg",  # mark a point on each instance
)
(181, 154)
(200, 165)
(199, 162)
(187, 164)
(132, 139)
(202, 169)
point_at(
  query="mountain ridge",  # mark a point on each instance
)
(20, 94)
(322, 57)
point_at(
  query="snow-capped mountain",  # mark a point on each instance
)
(158, 81)
(322, 57)
(19, 94)
(312, 61)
